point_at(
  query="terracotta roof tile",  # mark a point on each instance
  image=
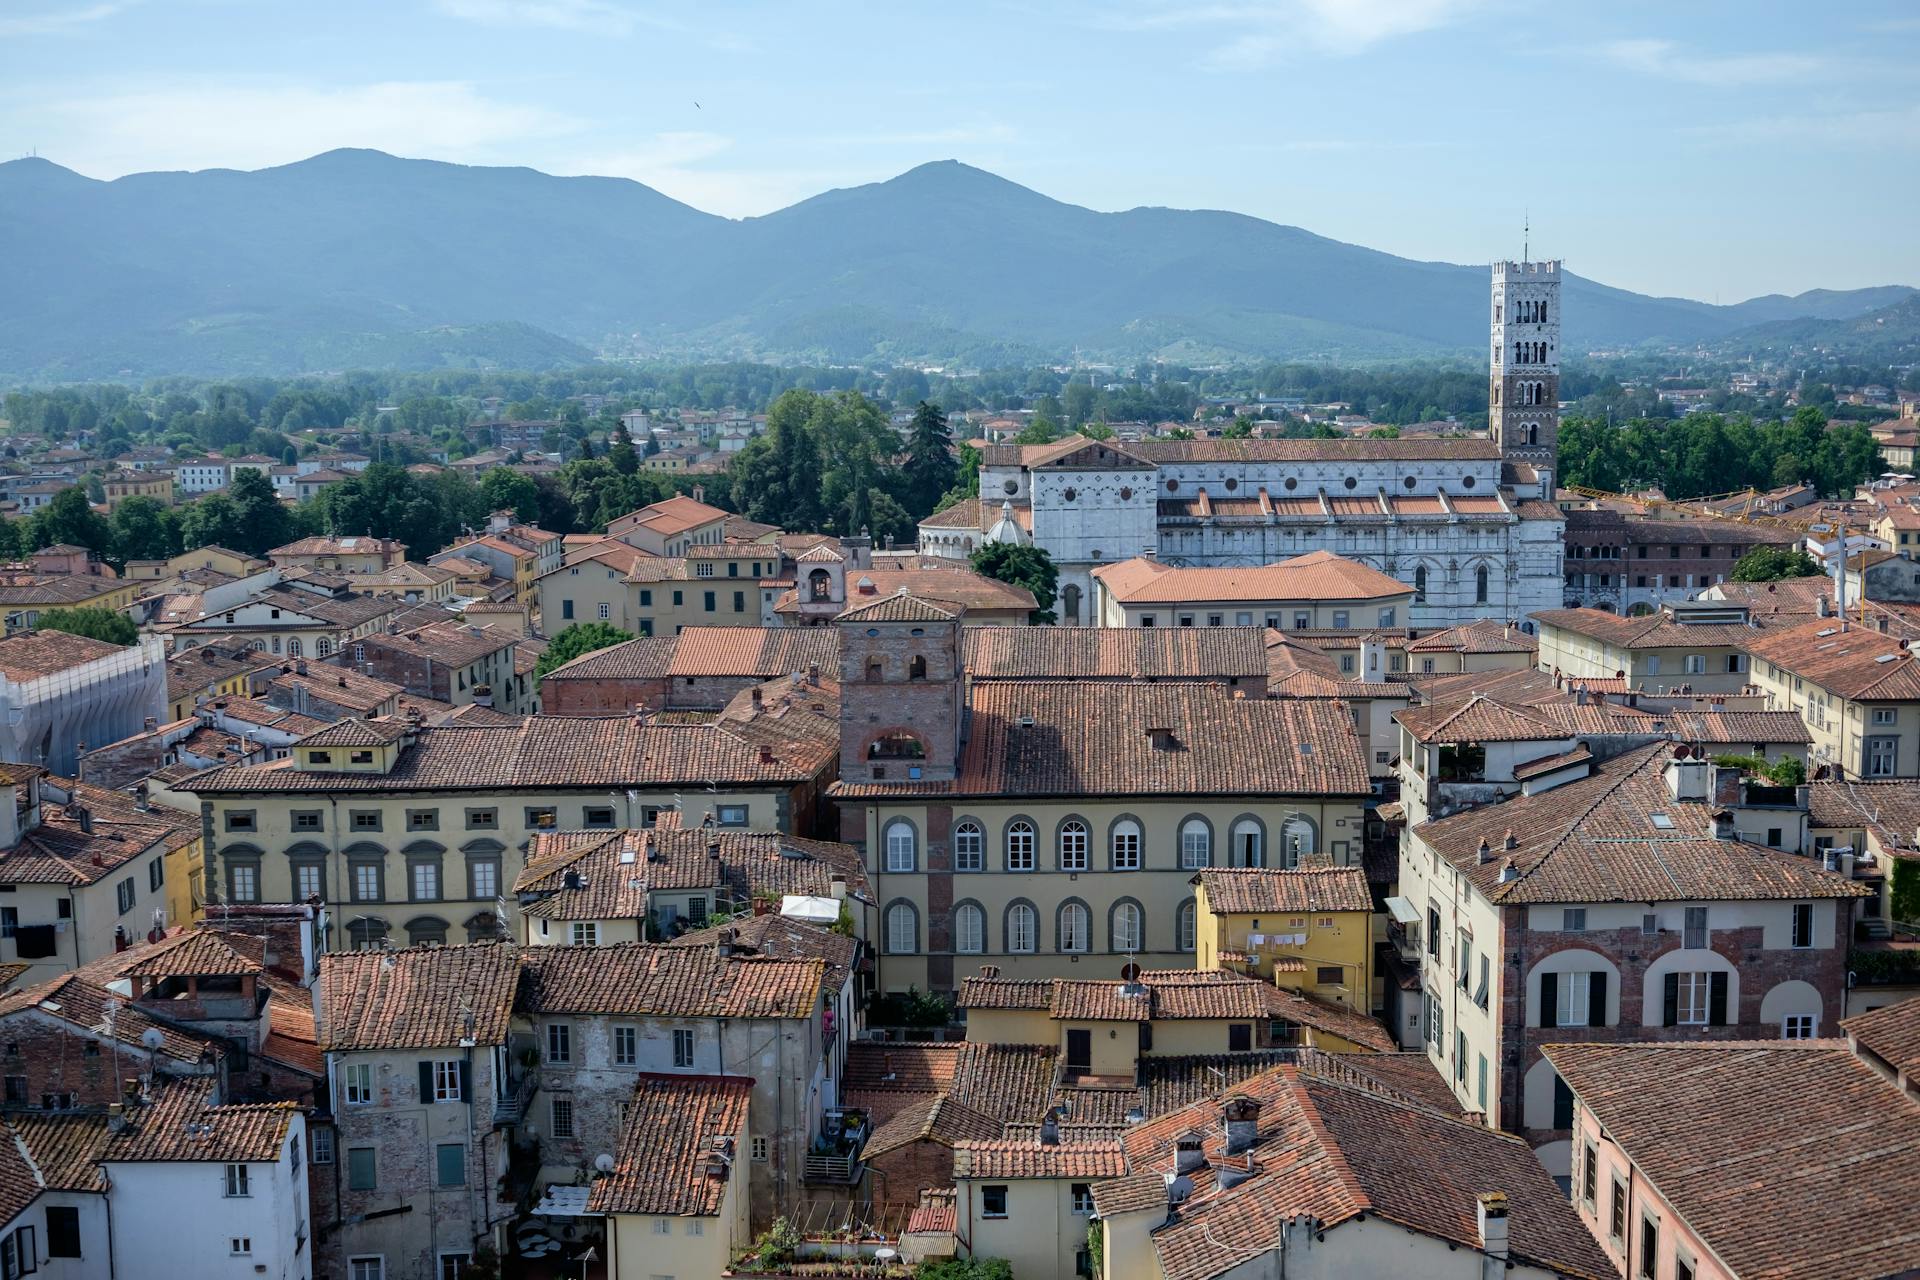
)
(181, 1125)
(937, 1119)
(1013, 1158)
(935, 1214)
(709, 651)
(418, 998)
(914, 1067)
(1006, 1081)
(1317, 575)
(1483, 636)
(1891, 1033)
(1855, 663)
(1596, 840)
(202, 953)
(1113, 653)
(901, 606)
(1304, 890)
(665, 981)
(1702, 1122)
(678, 1149)
(33, 655)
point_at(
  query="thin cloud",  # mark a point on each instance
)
(601, 16)
(1270, 31)
(1891, 129)
(683, 165)
(192, 126)
(1666, 60)
(57, 21)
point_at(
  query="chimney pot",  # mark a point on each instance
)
(1492, 1214)
(1240, 1118)
(989, 970)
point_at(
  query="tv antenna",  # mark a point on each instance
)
(1526, 236)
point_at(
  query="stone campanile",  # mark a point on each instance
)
(1523, 407)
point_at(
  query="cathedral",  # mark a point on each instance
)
(1469, 524)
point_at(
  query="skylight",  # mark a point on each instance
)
(1662, 821)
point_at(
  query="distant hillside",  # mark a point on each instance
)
(356, 258)
(1888, 335)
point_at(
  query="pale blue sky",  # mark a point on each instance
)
(1713, 150)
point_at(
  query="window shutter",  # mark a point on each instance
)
(1671, 1014)
(426, 1082)
(1597, 999)
(1549, 999)
(466, 1080)
(1717, 999)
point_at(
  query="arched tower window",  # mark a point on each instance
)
(1070, 602)
(1420, 585)
(1480, 574)
(820, 585)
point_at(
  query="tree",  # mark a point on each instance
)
(264, 520)
(213, 521)
(1028, 567)
(580, 638)
(928, 468)
(70, 519)
(512, 491)
(101, 624)
(1770, 564)
(144, 529)
(620, 452)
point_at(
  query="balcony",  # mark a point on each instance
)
(839, 1170)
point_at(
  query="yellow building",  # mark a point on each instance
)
(339, 555)
(22, 603)
(421, 831)
(121, 485)
(1308, 929)
(298, 619)
(413, 583)
(1702, 645)
(650, 595)
(1857, 689)
(210, 671)
(235, 564)
(676, 1204)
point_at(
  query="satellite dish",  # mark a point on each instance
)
(603, 1162)
(1129, 972)
(153, 1038)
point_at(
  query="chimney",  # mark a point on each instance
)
(813, 673)
(713, 845)
(766, 753)
(1240, 1118)
(1493, 1224)
(301, 666)
(150, 724)
(989, 970)
(723, 944)
(1050, 1128)
(83, 815)
(1508, 842)
(1688, 778)
(1508, 871)
(1486, 851)
(699, 493)
(1187, 1152)
(755, 691)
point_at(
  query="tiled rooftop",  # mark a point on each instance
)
(665, 981)
(34, 655)
(1113, 653)
(1238, 891)
(1317, 575)
(681, 1132)
(417, 998)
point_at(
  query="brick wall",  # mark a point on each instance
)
(593, 697)
(898, 1176)
(51, 1057)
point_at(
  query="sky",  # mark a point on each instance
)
(1696, 148)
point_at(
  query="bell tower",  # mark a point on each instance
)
(1523, 409)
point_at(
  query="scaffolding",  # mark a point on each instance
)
(46, 720)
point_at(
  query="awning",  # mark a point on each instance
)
(1402, 910)
(563, 1202)
(809, 909)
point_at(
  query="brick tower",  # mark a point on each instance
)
(1524, 390)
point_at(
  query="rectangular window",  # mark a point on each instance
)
(1882, 757)
(360, 1169)
(1329, 975)
(423, 819)
(561, 1114)
(243, 820)
(626, 1046)
(1798, 1026)
(483, 819)
(1695, 935)
(1571, 1000)
(559, 1042)
(483, 878)
(1589, 1175)
(993, 1202)
(1803, 924)
(1683, 1267)
(586, 933)
(1692, 1002)
(237, 1180)
(969, 848)
(240, 1246)
(309, 880)
(604, 610)
(63, 1231)
(757, 1148)
(1081, 1195)
(156, 874)
(450, 1162)
(1387, 617)
(453, 1266)
(1481, 1092)
(1883, 715)
(126, 893)
(244, 879)
(364, 820)
(730, 815)
(1617, 1213)
(359, 1083)
(739, 602)
(446, 1080)
(540, 818)
(366, 881)
(682, 1048)
(707, 600)
(322, 1141)
(597, 816)
(566, 610)
(1649, 1249)
(1574, 920)
(426, 881)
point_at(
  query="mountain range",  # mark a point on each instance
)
(356, 258)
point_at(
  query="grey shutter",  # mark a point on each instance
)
(1597, 999)
(1717, 999)
(426, 1082)
(1670, 1015)
(1549, 999)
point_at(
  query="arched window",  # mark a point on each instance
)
(1244, 849)
(876, 670)
(903, 929)
(1125, 927)
(1186, 925)
(1070, 602)
(1480, 574)
(425, 931)
(896, 746)
(969, 929)
(900, 845)
(367, 933)
(294, 651)
(1297, 840)
(1023, 928)
(1126, 845)
(323, 647)
(1196, 844)
(1074, 926)
(969, 847)
(1020, 845)
(1073, 845)
(1420, 585)
(820, 585)
(917, 669)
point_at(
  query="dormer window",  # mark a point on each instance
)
(360, 757)
(319, 757)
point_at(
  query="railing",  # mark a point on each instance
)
(822, 1167)
(512, 1109)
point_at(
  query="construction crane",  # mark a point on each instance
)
(1690, 507)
